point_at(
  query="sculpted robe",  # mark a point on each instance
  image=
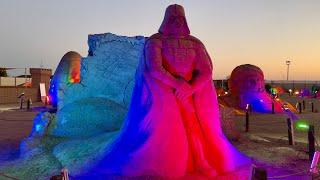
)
(155, 138)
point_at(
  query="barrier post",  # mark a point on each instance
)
(290, 132)
(272, 107)
(247, 121)
(300, 108)
(311, 142)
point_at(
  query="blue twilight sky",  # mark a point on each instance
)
(260, 32)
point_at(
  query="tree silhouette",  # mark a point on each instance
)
(3, 73)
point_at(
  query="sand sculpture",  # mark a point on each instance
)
(172, 127)
(68, 70)
(246, 86)
(174, 99)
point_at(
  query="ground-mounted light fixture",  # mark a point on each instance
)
(314, 168)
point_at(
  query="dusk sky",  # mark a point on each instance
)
(265, 33)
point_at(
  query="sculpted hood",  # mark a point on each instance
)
(174, 22)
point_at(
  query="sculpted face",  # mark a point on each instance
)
(253, 82)
(247, 87)
(174, 22)
(246, 78)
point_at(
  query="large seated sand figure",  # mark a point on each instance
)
(173, 126)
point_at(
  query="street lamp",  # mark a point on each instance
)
(288, 64)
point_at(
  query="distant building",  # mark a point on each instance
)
(11, 87)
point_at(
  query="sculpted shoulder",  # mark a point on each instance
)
(155, 36)
(196, 41)
(154, 41)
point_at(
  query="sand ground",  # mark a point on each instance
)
(266, 142)
(15, 124)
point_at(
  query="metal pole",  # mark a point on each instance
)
(21, 102)
(272, 107)
(288, 64)
(247, 121)
(29, 102)
(290, 132)
(311, 142)
(300, 108)
(25, 77)
(222, 84)
(287, 72)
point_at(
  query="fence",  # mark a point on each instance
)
(10, 94)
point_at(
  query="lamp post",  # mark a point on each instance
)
(288, 64)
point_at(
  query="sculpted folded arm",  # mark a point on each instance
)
(203, 69)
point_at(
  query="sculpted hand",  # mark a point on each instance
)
(183, 91)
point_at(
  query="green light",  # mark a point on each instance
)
(302, 125)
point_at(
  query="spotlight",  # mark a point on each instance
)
(247, 106)
(48, 100)
(302, 125)
(315, 161)
(38, 127)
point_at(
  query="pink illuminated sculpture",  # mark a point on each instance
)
(173, 127)
(246, 86)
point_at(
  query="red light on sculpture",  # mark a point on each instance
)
(48, 100)
(74, 71)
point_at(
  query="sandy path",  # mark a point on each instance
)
(15, 124)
